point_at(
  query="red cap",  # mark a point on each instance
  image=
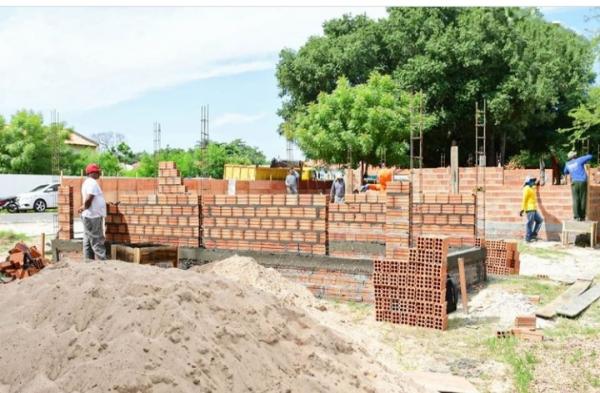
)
(92, 168)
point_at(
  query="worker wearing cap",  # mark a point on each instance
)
(575, 168)
(93, 212)
(529, 206)
(338, 189)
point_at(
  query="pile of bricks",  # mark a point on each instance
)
(170, 218)
(412, 291)
(502, 257)
(169, 179)
(454, 216)
(268, 223)
(525, 328)
(65, 212)
(22, 262)
(398, 220)
(355, 224)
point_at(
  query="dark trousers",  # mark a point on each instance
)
(579, 194)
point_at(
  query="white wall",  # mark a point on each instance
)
(15, 184)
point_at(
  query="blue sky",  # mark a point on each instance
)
(121, 69)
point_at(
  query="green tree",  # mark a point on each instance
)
(586, 120)
(531, 72)
(366, 122)
(124, 153)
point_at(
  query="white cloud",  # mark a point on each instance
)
(236, 119)
(75, 59)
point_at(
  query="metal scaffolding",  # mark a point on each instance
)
(480, 164)
(416, 159)
(157, 132)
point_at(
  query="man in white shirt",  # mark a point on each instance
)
(93, 212)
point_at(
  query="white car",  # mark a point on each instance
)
(40, 198)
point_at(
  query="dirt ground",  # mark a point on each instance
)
(568, 360)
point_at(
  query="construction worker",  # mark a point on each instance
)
(291, 182)
(575, 168)
(338, 189)
(92, 213)
(529, 206)
(384, 176)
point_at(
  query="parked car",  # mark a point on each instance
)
(40, 198)
(9, 203)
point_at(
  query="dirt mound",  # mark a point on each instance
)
(245, 270)
(128, 328)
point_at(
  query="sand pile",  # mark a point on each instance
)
(128, 328)
(245, 270)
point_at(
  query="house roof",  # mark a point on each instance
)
(77, 139)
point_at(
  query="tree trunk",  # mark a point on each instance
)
(491, 155)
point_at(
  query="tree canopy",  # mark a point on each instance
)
(531, 72)
(26, 147)
(366, 122)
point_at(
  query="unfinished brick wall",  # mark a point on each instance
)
(357, 226)
(268, 223)
(161, 219)
(503, 199)
(171, 217)
(398, 218)
(593, 209)
(412, 290)
(65, 212)
(454, 216)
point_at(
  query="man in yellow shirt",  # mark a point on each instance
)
(529, 206)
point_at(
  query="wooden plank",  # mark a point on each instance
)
(446, 383)
(454, 179)
(549, 310)
(577, 226)
(463, 284)
(579, 303)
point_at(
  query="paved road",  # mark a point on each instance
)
(33, 224)
(21, 218)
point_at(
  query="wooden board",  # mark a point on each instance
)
(580, 303)
(446, 383)
(463, 284)
(549, 310)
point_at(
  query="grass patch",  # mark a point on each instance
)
(547, 290)
(8, 236)
(542, 252)
(523, 364)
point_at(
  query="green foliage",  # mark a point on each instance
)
(531, 72)
(522, 362)
(586, 120)
(124, 153)
(365, 122)
(191, 164)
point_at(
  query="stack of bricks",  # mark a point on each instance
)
(398, 220)
(170, 218)
(412, 291)
(268, 223)
(357, 226)
(450, 215)
(502, 257)
(65, 212)
(169, 179)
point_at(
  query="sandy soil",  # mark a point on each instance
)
(128, 328)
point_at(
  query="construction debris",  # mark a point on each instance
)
(525, 328)
(444, 383)
(22, 262)
(579, 303)
(549, 310)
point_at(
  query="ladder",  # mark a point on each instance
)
(416, 158)
(480, 162)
